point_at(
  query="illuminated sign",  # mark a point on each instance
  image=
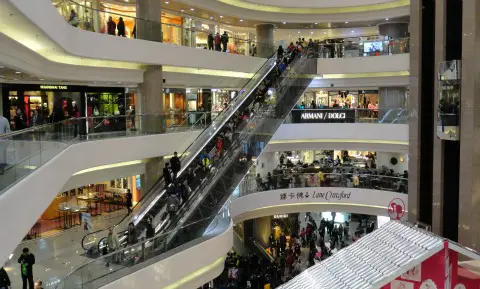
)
(323, 115)
(54, 87)
(281, 216)
(337, 115)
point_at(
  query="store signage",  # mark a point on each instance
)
(323, 116)
(281, 216)
(54, 87)
(326, 196)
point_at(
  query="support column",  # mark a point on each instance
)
(393, 30)
(469, 188)
(265, 47)
(421, 110)
(391, 98)
(438, 148)
(149, 27)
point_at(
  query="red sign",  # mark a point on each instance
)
(396, 209)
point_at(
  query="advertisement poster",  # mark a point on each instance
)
(397, 284)
(414, 274)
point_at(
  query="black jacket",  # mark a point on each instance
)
(28, 260)
(175, 163)
(210, 38)
(167, 175)
(4, 280)
(224, 38)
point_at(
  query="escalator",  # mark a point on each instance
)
(268, 103)
(154, 201)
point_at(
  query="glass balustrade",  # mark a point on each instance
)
(133, 257)
(22, 152)
(174, 29)
(372, 180)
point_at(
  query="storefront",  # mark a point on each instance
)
(85, 204)
(323, 98)
(74, 101)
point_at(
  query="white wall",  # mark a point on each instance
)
(42, 14)
(336, 136)
(359, 201)
(372, 64)
(292, 35)
(34, 193)
(386, 81)
(383, 159)
(194, 267)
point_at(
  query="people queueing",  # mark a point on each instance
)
(27, 260)
(111, 26)
(175, 164)
(224, 40)
(121, 27)
(210, 41)
(129, 201)
(167, 174)
(4, 280)
(218, 41)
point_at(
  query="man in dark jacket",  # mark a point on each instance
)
(167, 174)
(4, 280)
(210, 41)
(26, 261)
(224, 41)
(175, 164)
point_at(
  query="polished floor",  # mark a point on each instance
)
(58, 255)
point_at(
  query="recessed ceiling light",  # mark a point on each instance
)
(211, 17)
(17, 72)
(41, 79)
(192, 9)
(119, 82)
(311, 32)
(316, 23)
(1, 76)
(221, 16)
(166, 2)
(386, 19)
(325, 32)
(298, 32)
(346, 22)
(353, 31)
(181, 10)
(241, 20)
(284, 22)
(1, 66)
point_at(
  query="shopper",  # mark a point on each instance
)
(38, 285)
(19, 120)
(4, 280)
(224, 39)
(217, 40)
(121, 27)
(210, 40)
(26, 261)
(128, 202)
(113, 244)
(111, 26)
(253, 50)
(175, 164)
(131, 235)
(150, 230)
(280, 51)
(73, 18)
(167, 174)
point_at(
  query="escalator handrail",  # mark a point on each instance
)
(219, 115)
(221, 214)
(224, 159)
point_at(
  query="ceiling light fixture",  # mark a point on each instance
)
(191, 9)
(211, 17)
(181, 10)
(17, 72)
(241, 20)
(386, 19)
(166, 2)
(221, 16)
(284, 22)
(353, 31)
(316, 23)
(346, 22)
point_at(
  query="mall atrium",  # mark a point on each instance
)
(239, 144)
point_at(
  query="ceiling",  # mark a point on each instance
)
(175, 7)
(316, 3)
